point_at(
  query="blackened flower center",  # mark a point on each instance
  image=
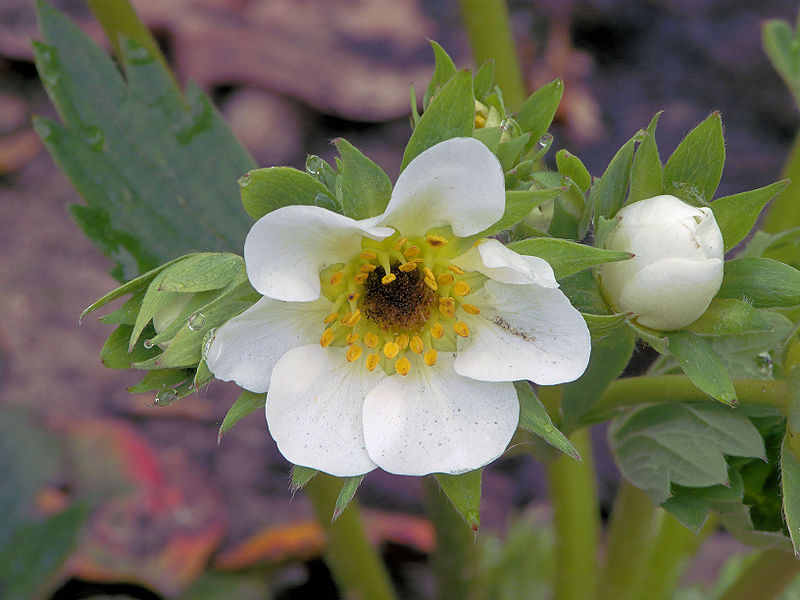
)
(402, 304)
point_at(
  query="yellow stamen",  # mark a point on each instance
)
(406, 267)
(388, 278)
(331, 318)
(353, 352)
(372, 361)
(402, 341)
(368, 255)
(437, 330)
(400, 243)
(352, 338)
(353, 296)
(456, 270)
(346, 318)
(326, 338)
(390, 349)
(428, 273)
(471, 309)
(445, 278)
(430, 357)
(448, 310)
(416, 344)
(461, 328)
(371, 340)
(435, 240)
(368, 268)
(461, 288)
(480, 121)
(402, 366)
(360, 278)
(336, 278)
(416, 260)
(446, 301)
(411, 251)
(355, 318)
(431, 284)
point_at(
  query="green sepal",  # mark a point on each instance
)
(264, 190)
(464, 492)
(167, 396)
(158, 380)
(607, 194)
(490, 136)
(300, 477)
(509, 152)
(362, 188)
(484, 78)
(698, 360)
(694, 170)
(444, 69)
(201, 272)
(192, 308)
(247, 402)
(566, 257)
(349, 488)
(572, 167)
(125, 314)
(518, 204)
(320, 170)
(790, 487)
(154, 300)
(647, 178)
(202, 375)
(726, 316)
(654, 338)
(584, 293)
(533, 418)
(610, 355)
(763, 282)
(736, 215)
(538, 110)
(601, 326)
(451, 114)
(115, 353)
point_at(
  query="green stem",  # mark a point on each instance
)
(669, 555)
(487, 25)
(119, 19)
(784, 211)
(632, 391)
(454, 557)
(634, 524)
(764, 578)
(355, 564)
(576, 519)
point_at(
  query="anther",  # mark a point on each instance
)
(402, 366)
(400, 243)
(448, 310)
(428, 273)
(360, 278)
(368, 255)
(435, 240)
(407, 267)
(352, 338)
(461, 328)
(471, 309)
(353, 352)
(326, 338)
(456, 270)
(480, 121)
(388, 278)
(331, 318)
(390, 349)
(461, 288)
(402, 341)
(372, 361)
(346, 318)
(437, 330)
(430, 357)
(416, 344)
(336, 278)
(371, 340)
(445, 279)
(368, 268)
(352, 296)
(355, 318)
(431, 283)
(411, 251)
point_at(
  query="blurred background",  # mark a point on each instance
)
(172, 513)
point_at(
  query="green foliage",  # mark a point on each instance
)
(247, 402)
(694, 170)
(608, 193)
(538, 110)
(782, 46)
(763, 282)
(362, 188)
(602, 325)
(349, 488)
(566, 257)
(156, 169)
(736, 215)
(464, 491)
(484, 78)
(726, 316)
(518, 205)
(697, 358)
(300, 477)
(584, 293)
(533, 418)
(443, 71)
(647, 179)
(662, 445)
(264, 190)
(790, 487)
(571, 166)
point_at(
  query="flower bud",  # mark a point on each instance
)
(165, 316)
(677, 266)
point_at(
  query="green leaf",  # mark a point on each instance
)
(518, 205)
(363, 189)
(159, 380)
(608, 192)
(201, 272)
(36, 551)
(647, 179)
(572, 167)
(300, 477)
(125, 314)
(482, 84)
(610, 355)
(763, 282)
(464, 491)
(450, 114)
(137, 151)
(509, 152)
(584, 293)
(115, 353)
(264, 190)
(566, 258)
(697, 358)
(726, 316)
(247, 402)
(690, 509)
(664, 444)
(346, 496)
(533, 417)
(748, 354)
(538, 110)
(443, 71)
(695, 168)
(790, 487)
(155, 299)
(490, 136)
(601, 326)
(780, 45)
(736, 215)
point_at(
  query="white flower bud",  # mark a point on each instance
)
(677, 266)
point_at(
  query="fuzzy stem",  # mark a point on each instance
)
(355, 564)
(487, 25)
(764, 578)
(576, 518)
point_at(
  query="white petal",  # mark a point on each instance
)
(286, 249)
(458, 182)
(435, 421)
(523, 332)
(314, 408)
(494, 260)
(246, 348)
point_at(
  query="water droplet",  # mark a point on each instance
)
(207, 341)
(549, 429)
(166, 396)
(196, 321)
(137, 54)
(764, 361)
(506, 123)
(148, 344)
(198, 119)
(545, 140)
(314, 165)
(94, 137)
